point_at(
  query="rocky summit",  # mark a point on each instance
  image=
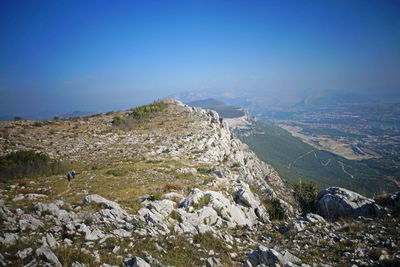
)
(169, 185)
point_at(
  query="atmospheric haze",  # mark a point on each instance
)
(60, 56)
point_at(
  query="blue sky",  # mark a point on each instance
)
(58, 56)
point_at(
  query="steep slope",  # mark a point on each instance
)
(295, 160)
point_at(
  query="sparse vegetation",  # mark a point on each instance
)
(176, 216)
(236, 165)
(144, 111)
(306, 195)
(170, 187)
(205, 171)
(28, 163)
(117, 121)
(202, 202)
(38, 124)
(117, 172)
(274, 209)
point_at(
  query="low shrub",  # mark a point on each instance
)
(236, 165)
(274, 209)
(202, 202)
(306, 195)
(117, 172)
(38, 124)
(176, 216)
(117, 121)
(205, 171)
(144, 111)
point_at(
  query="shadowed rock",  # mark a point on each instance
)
(335, 202)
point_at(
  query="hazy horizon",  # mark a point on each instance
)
(60, 56)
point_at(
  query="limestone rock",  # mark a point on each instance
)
(45, 253)
(270, 257)
(34, 196)
(101, 200)
(51, 241)
(172, 196)
(193, 198)
(27, 221)
(395, 197)
(9, 239)
(22, 254)
(315, 218)
(136, 262)
(337, 202)
(155, 212)
(121, 233)
(54, 208)
(213, 262)
(77, 264)
(245, 197)
(93, 235)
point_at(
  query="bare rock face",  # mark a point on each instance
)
(395, 197)
(337, 202)
(101, 200)
(271, 257)
(46, 254)
(27, 221)
(136, 262)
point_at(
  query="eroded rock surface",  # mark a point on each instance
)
(337, 202)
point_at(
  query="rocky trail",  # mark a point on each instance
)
(344, 170)
(66, 191)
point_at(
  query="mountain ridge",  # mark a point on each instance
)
(160, 184)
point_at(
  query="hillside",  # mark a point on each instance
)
(295, 160)
(166, 185)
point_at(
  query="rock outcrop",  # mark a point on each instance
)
(271, 257)
(337, 202)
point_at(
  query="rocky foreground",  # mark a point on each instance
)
(176, 188)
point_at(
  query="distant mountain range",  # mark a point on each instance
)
(261, 101)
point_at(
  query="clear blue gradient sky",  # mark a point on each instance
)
(57, 56)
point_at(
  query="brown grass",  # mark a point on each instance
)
(171, 187)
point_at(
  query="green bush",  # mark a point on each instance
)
(202, 202)
(205, 171)
(306, 195)
(144, 111)
(176, 216)
(236, 165)
(117, 172)
(274, 209)
(155, 196)
(38, 124)
(28, 163)
(117, 121)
